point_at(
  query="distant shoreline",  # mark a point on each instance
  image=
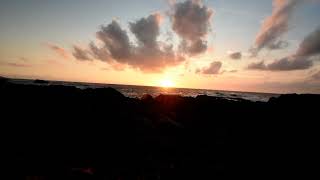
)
(139, 91)
(32, 79)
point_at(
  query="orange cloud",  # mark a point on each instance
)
(59, 50)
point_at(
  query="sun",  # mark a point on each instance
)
(166, 83)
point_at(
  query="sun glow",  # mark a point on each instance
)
(166, 83)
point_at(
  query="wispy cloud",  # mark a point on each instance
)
(59, 50)
(81, 54)
(285, 64)
(302, 59)
(274, 26)
(20, 62)
(13, 64)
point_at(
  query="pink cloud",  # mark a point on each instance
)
(59, 50)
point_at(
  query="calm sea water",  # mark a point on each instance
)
(139, 91)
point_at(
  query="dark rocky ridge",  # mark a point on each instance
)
(58, 132)
(39, 81)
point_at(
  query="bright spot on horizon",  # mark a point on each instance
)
(166, 83)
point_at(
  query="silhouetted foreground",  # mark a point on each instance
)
(57, 132)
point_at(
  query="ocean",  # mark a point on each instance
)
(134, 91)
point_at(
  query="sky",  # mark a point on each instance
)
(247, 45)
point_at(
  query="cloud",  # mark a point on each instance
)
(151, 55)
(116, 40)
(235, 55)
(193, 48)
(81, 54)
(99, 53)
(213, 68)
(284, 64)
(316, 76)
(257, 66)
(278, 45)
(146, 30)
(228, 71)
(274, 26)
(191, 21)
(19, 65)
(59, 50)
(300, 60)
(20, 62)
(310, 45)
(148, 54)
(290, 63)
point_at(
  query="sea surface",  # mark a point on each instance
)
(134, 91)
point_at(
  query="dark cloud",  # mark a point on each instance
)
(59, 50)
(284, 64)
(99, 53)
(191, 21)
(235, 55)
(275, 26)
(290, 63)
(310, 45)
(147, 30)
(116, 40)
(193, 48)
(213, 68)
(257, 66)
(81, 54)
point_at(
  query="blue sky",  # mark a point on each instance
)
(66, 21)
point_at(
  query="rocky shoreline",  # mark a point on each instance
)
(63, 132)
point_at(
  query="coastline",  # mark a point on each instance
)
(135, 91)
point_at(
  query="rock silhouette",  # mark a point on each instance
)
(60, 132)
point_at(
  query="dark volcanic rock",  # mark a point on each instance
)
(39, 81)
(146, 98)
(60, 132)
(3, 80)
